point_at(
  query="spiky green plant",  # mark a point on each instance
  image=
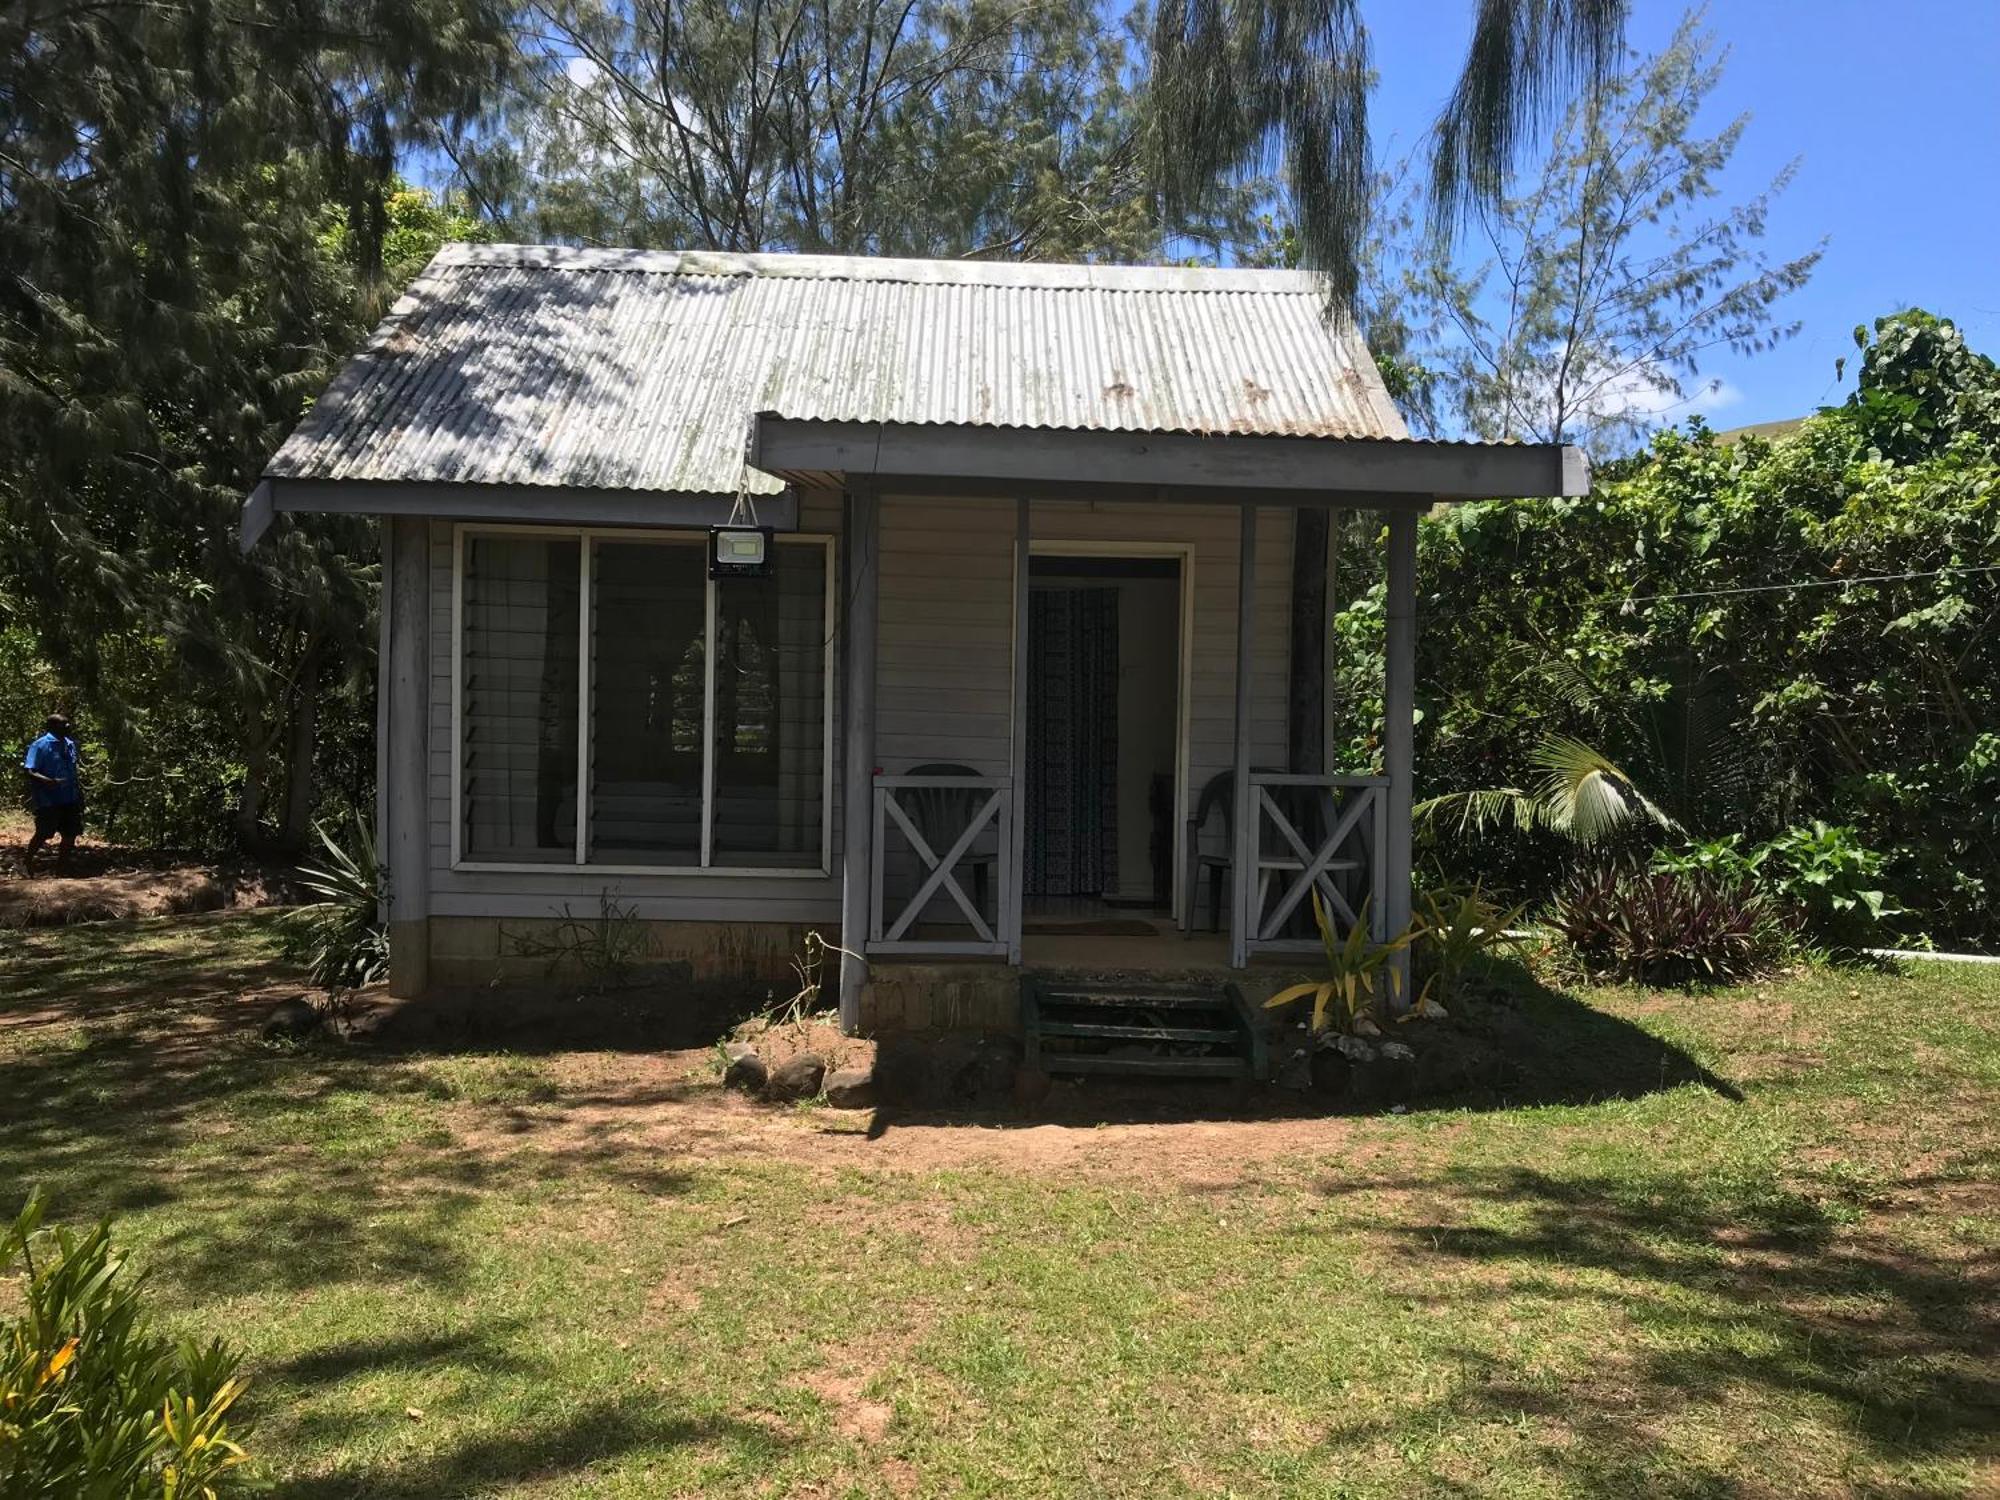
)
(340, 937)
(1459, 929)
(93, 1402)
(1359, 976)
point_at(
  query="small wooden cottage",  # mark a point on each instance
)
(968, 614)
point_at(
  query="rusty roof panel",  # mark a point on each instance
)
(527, 365)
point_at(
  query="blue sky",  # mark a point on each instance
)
(1894, 110)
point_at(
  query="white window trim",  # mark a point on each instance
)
(585, 537)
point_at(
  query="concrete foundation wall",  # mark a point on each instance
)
(941, 997)
(487, 950)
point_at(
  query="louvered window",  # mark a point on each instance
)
(705, 739)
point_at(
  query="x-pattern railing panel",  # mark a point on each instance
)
(1351, 843)
(940, 870)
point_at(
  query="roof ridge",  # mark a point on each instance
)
(1053, 275)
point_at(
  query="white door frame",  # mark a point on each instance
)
(1184, 553)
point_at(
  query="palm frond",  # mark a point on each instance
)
(1480, 810)
(1585, 795)
(1251, 88)
(1527, 58)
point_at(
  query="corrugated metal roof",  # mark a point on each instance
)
(524, 365)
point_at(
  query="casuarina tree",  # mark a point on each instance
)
(171, 180)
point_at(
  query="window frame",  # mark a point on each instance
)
(587, 537)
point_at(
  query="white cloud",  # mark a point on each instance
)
(1638, 394)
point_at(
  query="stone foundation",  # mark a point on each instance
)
(954, 997)
(469, 951)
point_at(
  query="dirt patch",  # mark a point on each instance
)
(659, 1009)
(855, 1415)
(669, 1110)
(108, 884)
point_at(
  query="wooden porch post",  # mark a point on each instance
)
(1013, 871)
(857, 884)
(405, 794)
(1243, 858)
(1307, 749)
(1398, 728)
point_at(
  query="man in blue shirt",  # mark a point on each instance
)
(50, 765)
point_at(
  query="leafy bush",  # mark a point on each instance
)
(340, 938)
(1666, 926)
(1820, 874)
(92, 1401)
(1833, 881)
(1762, 634)
(1726, 858)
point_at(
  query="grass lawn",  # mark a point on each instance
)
(593, 1274)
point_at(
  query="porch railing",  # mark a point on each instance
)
(1312, 833)
(953, 826)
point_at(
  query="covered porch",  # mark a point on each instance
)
(948, 806)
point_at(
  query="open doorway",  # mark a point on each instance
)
(1103, 723)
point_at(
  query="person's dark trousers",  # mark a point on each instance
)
(64, 823)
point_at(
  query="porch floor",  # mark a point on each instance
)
(1084, 943)
(1044, 945)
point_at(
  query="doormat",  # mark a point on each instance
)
(1109, 927)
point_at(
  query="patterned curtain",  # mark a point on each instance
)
(1072, 832)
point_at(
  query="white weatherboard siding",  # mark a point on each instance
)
(946, 655)
(944, 679)
(944, 684)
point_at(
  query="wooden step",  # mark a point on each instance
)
(1147, 1067)
(1137, 998)
(1176, 1030)
(1221, 1035)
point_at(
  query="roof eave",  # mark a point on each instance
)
(1376, 472)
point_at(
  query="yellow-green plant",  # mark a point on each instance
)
(1459, 927)
(1359, 973)
(92, 1401)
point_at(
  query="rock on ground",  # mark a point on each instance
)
(797, 1077)
(745, 1069)
(292, 1019)
(850, 1088)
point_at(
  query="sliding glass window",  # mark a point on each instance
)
(705, 740)
(770, 713)
(518, 720)
(648, 687)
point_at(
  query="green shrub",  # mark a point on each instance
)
(1762, 634)
(1833, 881)
(340, 937)
(1667, 926)
(92, 1401)
(1820, 875)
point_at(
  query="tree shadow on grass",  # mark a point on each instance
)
(1515, 1044)
(483, 1350)
(600, 1431)
(98, 969)
(333, 1174)
(1740, 1290)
